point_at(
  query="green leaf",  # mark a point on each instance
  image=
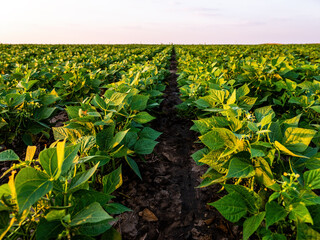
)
(286, 151)
(232, 99)
(118, 138)
(253, 127)
(231, 206)
(70, 153)
(266, 120)
(214, 161)
(312, 179)
(31, 185)
(112, 181)
(264, 173)
(307, 233)
(235, 124)
(105, 137)
(50, 98)
(211, 177)
(315, 213)
(299, 212)
(298, 139)
(4, 219)
(83, 198)
(4, 190)
(316, 108)
(134, 166)
(49, 161)
(139, 102)
(95, 229)
(150, 133)
(43, 113)
(67, 76)
(91, 214)
(242, 91)
(308, 197)
(275, 134)
(14, 99)
(260, 113)
(95, 158)
(251, 224)
(8, 155)
(73, 111)
(121, 152)
(48, 230)
(27, 139)
(292, 122)
(26, 84)
(144, 146)
(60, 158)
(117, 98)
(217, 95)
(61, 133)
(279, 61)
(255, 152)
(247, 102)
(218, 138)
(206, 124)
(116, 208)
(82, 177)
(143, 117)
(291, 75)
(274, 213)
(313, 162)
(253, 200)
(274, 196)
(100, 102)
(291, 85)
(199, 154)
(86, 143)
(94, 114)
(130, 139)
(55, 215)
(240, 168)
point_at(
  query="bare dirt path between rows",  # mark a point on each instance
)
(166, 204)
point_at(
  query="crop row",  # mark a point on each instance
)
(64, 191)
(257, 110)
(40, 81)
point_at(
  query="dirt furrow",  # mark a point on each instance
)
(166, 204)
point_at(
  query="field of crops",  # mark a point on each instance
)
(109, 141)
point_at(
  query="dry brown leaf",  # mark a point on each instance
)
(147, 215)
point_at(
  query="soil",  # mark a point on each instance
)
(166, 204)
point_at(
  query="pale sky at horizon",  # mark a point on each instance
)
(160, 21)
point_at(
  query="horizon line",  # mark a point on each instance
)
(265, 43)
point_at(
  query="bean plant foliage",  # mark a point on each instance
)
(257, 112)
(55, 198)
(108, 93)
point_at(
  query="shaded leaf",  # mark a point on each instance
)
(231, 206)
(91, 214)
(112, 181)
(31, 185)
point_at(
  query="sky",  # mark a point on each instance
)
(160, 21)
